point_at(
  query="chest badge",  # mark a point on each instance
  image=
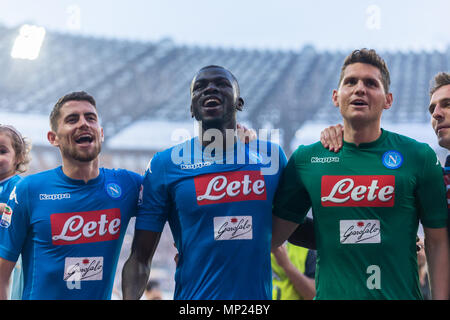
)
(113, 190)
(392, 159)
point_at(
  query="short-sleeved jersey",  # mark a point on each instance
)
(16, 282)
(6, 186)
(69, 232)
(367, 201)
(220, 215)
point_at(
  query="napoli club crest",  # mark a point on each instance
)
(114, 190)
(392, 159)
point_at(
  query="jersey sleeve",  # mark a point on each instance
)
(291, 201)
(431, 192)
(14, 223)
(155, 204)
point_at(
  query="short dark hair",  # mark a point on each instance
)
(213, 66)
(439, 80)
(368, 56)
(73, 96)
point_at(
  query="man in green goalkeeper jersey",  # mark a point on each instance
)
(367, 199)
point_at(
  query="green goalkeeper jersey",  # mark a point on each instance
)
(367, 201)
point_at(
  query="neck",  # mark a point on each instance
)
(224, 136)
(79, 170)
(361, 133)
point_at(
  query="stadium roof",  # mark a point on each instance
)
(142, 89)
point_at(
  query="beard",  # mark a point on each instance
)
(73, 153)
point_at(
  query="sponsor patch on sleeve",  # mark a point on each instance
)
(6, 217)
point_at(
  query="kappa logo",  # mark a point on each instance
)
(13, 195)
(324, 159)
(55, 196)
(195, 165)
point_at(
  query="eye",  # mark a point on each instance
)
(198, 86)
(91, 118)
(371, 83)
(223, 83)
(71, 119)
(431, 108)
(350, 81)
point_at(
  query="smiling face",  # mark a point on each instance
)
(361, 97)
(440, 115)
(78, 133)
(215, 98)
(8, 161)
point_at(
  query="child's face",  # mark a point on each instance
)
(8, 160)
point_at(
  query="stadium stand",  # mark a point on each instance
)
(146, 85)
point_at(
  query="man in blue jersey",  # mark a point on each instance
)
(68, 223)
(216, 196)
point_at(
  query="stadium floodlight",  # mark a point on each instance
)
(28, 43)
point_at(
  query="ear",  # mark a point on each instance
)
(335, 98)
(240, 104)
(52, 138)
(389, 101)
(102, 136)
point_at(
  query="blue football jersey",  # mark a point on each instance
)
(69, 232)
(220, 213)
(16, 282)
(6, 186)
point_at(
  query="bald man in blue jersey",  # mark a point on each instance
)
(218, 202)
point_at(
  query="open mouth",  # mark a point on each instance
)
(211, 102)
(359, 103)
(84, 139)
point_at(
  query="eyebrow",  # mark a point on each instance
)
(78, 114)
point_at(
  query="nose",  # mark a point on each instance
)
(360, 88)
(438, 112)
(83, 122)
(211, 88)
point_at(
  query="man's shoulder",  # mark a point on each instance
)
(311, 150)
(405, 141)
(121, 174)
(39, 177)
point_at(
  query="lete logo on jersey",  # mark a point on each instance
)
(85, 227)
(358, 191)
(230, 186)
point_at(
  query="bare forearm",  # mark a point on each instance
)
(134, 279)
(3, 290)
(438, 266)
(304, 285)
